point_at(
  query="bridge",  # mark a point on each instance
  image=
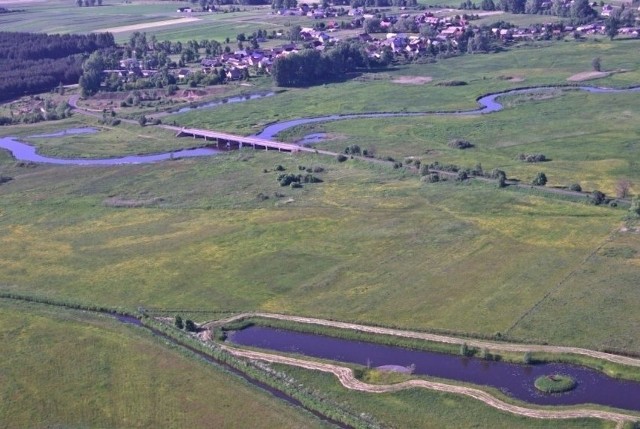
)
(231, 141)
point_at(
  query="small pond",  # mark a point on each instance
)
(515, 380)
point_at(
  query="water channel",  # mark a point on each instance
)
(488, 104)
(515, 380)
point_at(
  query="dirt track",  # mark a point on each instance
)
(490, 345)
(348, 380)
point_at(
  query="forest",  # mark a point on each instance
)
(31, 63)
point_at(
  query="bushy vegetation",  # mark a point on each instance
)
(460, 144)
(531, 157)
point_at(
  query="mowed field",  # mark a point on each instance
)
(73, 369)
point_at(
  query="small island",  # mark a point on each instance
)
(555, 383)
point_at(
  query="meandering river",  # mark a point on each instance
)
(487, 104)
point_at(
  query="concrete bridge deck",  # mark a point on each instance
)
(231, 141)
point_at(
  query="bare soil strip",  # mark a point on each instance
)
(580, 77)
(490, 345)
(136, 27)
(348, 380)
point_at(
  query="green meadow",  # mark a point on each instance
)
(370, 243)
(65, 368)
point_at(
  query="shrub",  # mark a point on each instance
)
(178, 322)
(460, 144)
(575, 187)
(354, 149)
(431, 178)
(462, 176)
(279, 168)
(287, 179)
(596, 198)
(190, 326)
(531, 157)
(318, 169)
(341, 158)
(424, 170)
(157, 121)
(142, 120)
(539, 180)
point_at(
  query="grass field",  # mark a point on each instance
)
(205, 238)
(370, 243)
(75, 369)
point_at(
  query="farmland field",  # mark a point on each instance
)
(82, 370)
(369, 243)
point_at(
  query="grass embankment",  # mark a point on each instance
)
(74, 368)
(493, 353)
(426, 409)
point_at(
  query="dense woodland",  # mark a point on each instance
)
(32, 63)
(310, 67)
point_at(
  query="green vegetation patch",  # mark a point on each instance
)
(555, 383)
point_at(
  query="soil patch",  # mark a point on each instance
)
(146, 25)
(412, 80)
(580, 77)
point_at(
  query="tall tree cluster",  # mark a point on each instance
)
(310, 67)
(32, 63)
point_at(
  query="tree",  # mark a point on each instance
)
(487, 5)
(635, 207)
(178, 322)
(540, 179)
(623, 188)
(190, 326)
(582, 12)
(91, 74)
(596, 198)
(611, 26)
(596, 64)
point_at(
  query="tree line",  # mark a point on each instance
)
(310, 67)
(32, 63)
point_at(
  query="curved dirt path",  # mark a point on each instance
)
(348, 380)
(490, 345)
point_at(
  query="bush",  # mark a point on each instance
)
(462, 176)
(596, 198)
(575, 187)
(460, 144)
(279, 168)
(178, 322)
(142, 120)
(354, 149)
(190, 326)
(341, 158)
(531, 157)
(424, 170)
(539, 180)
(431, 178)
(157, 121)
